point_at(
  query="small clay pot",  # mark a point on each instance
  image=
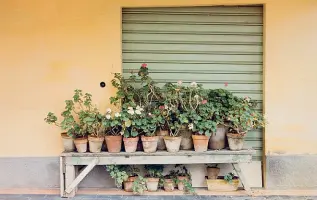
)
(130, 144)
(181, 180)
(127, 185)
(149, 144)
(152, 184)
(172, 143)
(160, 143)
(95, 144)
(81, 144)
(235, 141)
(114, 143)
(200, 143)
(213, 172)
(168, 185)
(68, 143)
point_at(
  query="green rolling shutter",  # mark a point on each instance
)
(209, 45)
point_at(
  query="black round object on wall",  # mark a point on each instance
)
(102, 84)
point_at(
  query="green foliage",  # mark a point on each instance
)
(181, 170)
(118, 173)
(138, 185)
(229, 177)
(154, 171)
(80, 116)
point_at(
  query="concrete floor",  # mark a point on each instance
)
(152, 197)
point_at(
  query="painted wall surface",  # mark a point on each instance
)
(49, 48)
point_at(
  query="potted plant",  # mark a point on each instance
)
(224, 184)
(222, 101)
(113, 131)
(118, 173)
(169, 182)
(202, 125)
(213, 171)
(243, 117)
(133, 174)
(153, 175)
(138, 185)
(183, 179)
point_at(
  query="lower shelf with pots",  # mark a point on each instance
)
(69, 162)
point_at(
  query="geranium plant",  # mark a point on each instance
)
(244, 117)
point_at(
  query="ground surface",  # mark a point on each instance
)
(179, 197)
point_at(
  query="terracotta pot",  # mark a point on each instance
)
(114, 143)
(220, 185)
(81, 144)
(172, 143)
(169, 185)
(152, 184)
(149, 143)
(218, 140)
(187, 141)
(130, 144)
(181, 180)
(236, 141)
(95, 144)
(68, 143)
(200, 143)
(127, 185)
(160, 143)
(213, 172)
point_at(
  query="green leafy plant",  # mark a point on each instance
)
(229, 177)
(113, 123)
(154, 171)
(80, 116)
(244, 117)
(138, 185)
(118, 173)
(181, 170)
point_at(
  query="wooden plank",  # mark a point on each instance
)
(139, 160)
(72, 187)
(69, 178)
(162, 153)
(241, 176)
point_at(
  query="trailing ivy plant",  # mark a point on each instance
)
(118, 173)
(138, 185)
(181, 170)
(229, 177)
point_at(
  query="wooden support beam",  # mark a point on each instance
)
(82, 175)
(242, 178)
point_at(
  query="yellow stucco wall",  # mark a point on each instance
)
(49, 48)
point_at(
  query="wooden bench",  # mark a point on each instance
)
(69, 161)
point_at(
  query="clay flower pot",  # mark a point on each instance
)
(95, 144)
(218, 140)
(200, 143)
(81, 144)
(68, 142)
(172, 143)
(130, 144)
(213, 172)
(235, 141)
(180, 184)
(127, 185)
(187, 141)
(169, 185)
(114, 143)
(152, 184)
(160, 143)
(149, 144)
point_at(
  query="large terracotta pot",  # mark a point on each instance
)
(236, 141)
(200, 143)
(160, 143)
(68, 143)
(187, 141)
(81, 144)
(172, 143)
(149, 144)
(114, 143)
(95, 144)
(130, 144)
(218, 140)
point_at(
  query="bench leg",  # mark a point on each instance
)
(62, 176)
(241, 176)
(70, 176)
